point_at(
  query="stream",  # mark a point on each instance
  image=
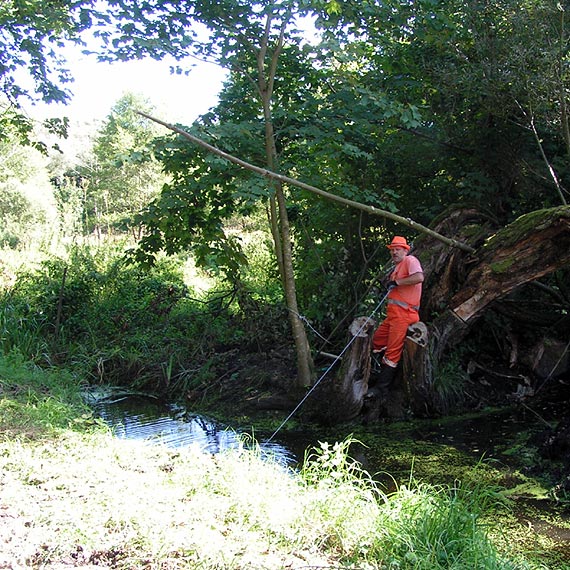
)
(432, 448)
(499, 435)
(143, 417)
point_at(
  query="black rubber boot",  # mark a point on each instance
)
(376, 400)
(383, 381)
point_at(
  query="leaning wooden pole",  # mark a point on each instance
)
(293, 182)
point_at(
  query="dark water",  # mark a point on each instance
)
(497, 435)
(142, 417)
(503, 436)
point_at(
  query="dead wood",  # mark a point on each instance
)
(416, 378)
(339, 396)
(459, 288)
(532, 246)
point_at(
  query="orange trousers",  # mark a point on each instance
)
(391, 333)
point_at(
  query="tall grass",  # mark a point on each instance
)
(38, 402)
(114, 322)
(434, 527)
(21, 330)
(419, 526)
(121, 324)
(73, 493)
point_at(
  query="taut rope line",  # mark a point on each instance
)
(306, 321)
(327, 370)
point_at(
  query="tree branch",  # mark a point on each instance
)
(293, 182)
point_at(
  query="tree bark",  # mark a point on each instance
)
(460, 288)
(339, 396)
(416, 377)
(279, 219)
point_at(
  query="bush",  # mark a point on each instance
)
(123, 324)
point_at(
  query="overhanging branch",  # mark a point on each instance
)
(293, 182)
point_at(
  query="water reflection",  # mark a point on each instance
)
(142, 417)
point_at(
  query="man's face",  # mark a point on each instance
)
(398, 254)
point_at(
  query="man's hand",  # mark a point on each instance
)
(390, 285)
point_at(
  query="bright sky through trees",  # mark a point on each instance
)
(178, 98)
(181, 98)
(97, 87)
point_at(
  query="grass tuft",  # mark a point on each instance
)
(73, 495)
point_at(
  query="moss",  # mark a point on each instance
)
(472, 231)
(502, 266)
(529, 488)
(524, 225)
(514, 534)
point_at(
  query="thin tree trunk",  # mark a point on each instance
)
(273, 218)
(561, 86)
(305, 366)
(279, 219)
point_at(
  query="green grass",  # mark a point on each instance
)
(72, 494)
(37, 402)
(431, 527)
(120, 324)
(130, 505)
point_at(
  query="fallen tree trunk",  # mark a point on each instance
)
(531, 247)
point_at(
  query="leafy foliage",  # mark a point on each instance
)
(107, 189)
(15, 210)
(32, 34)
(122, 324)
(125, 175)
(406, 106)
(474, 99)
(24, 195)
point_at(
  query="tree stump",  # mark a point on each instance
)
(414, 379)
(408, 392)
(339, 397)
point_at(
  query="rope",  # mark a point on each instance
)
(383, 273)
(327, 370)
(306, 321)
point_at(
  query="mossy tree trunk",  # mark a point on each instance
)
(460, 287)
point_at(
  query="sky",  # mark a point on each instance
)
(98, 86)
(178, 98)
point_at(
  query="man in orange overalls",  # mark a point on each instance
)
(404, 294)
